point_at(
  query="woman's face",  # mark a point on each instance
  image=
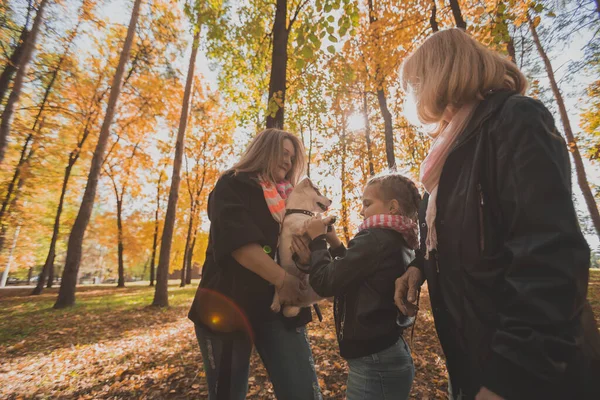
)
(373, 203)
(285, 164)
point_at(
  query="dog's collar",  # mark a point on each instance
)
(298, 211)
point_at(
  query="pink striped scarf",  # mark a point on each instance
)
(399, 223)
(275, 196)
(431, 167)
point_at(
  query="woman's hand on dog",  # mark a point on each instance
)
(291, 291)
(317, 226)
(301, 249)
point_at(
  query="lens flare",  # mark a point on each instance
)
(221, 314)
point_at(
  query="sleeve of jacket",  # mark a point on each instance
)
(332, 276)
(232, 225)
(544, 287)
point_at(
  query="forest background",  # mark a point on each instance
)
(119, 116)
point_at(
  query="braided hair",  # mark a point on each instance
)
(394, 186)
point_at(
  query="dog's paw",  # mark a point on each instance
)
(291, 311)
(276, 305)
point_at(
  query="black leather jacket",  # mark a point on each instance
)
(362, 280)
(508, 282)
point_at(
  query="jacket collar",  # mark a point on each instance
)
(486, 109)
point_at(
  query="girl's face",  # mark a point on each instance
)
(285, 164)
(373, 203)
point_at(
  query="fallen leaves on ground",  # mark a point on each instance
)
(113, 346)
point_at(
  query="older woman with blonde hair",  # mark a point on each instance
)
(501, 249)
(231, 311)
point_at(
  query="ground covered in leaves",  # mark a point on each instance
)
(111, 345)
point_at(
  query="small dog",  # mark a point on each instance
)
(304, 200)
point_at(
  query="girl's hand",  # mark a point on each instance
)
(332, 237)
(316, 226)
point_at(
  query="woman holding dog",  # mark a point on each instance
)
(505, 261)
(231, 310)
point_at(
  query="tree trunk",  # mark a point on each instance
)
(14, 188)
(510, 47)
(385, 112)
(278, 80)
(10, 257)
(345, 219)
(11, 66)
(458, 18)
(155, 238)
(188, 276)
(11, 189)
(49, 264)
(368, 134)
(13, 97)
(48, 269)
(571, 141)
(66, 294)
(121, 282)
(433, 19)
(188, 241)
(310, 150)
(389, 134)
(161, 298)
(37, 125)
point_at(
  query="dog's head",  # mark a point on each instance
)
(306, 196)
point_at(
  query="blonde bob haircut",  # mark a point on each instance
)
(452, 69)
(264, 154)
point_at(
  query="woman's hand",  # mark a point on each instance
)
(301, 249)
(317, 226)
(486, 394)
(291, 290)
(406, 292)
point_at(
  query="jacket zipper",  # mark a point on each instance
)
(481, 224)
(342, 319)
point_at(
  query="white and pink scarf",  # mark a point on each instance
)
(432, 166)
(399, 223)
(275, 196)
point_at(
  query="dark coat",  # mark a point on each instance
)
(362, 280)
(239, 216)
(508, 282)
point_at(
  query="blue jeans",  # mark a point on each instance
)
(381, 376)
(285, 353)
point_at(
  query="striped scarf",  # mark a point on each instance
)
(275, 196)
(399, 223)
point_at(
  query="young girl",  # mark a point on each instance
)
(361, 278)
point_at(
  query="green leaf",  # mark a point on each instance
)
(330, 18)
(332, 39)
(307, 52)
(331, 49)
(313, 38)
(300, 63)
(328, 7)
(330, 30)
